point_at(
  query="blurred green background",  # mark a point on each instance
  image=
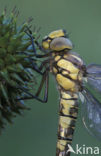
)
(35, 133)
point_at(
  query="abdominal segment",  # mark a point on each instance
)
(68, 111)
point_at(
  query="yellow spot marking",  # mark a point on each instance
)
(57, 33)
(55, 70)
(65, 121)
(68, 96)
(61, 144)
(65, 82)
(78, 58)
(62, 133)
(66, 109)
(65, 72)
(67, 66)
(57, 58)
(67, 102)
(65, 95)
(65, 55)
(45, 44)
(74, 76)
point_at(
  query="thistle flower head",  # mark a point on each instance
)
(16, 70)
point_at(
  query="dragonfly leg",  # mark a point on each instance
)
(29, 33)
(45, 73)
(45, 79)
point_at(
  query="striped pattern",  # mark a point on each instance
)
(68, 114)
(66, 68)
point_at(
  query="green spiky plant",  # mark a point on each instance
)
(16, 71)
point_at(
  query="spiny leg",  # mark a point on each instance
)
(45, 80)
(29, 33)
(35, 67)
(31, 96)
(42, 65)
(32, 38)
(45, 75)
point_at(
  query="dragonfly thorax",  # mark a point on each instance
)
(68, 72)
(65, 65)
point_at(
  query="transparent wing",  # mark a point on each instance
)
(91, 113)
(94, 76)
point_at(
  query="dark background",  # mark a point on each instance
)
(35, 133)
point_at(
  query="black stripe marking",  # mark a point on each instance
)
(62, 138)
(69, 98)
(67, 76)
(70, 116)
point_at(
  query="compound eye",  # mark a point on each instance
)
(61, 43)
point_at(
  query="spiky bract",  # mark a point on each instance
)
(16, 71)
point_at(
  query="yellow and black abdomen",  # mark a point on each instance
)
(68, 77)
(67, 117)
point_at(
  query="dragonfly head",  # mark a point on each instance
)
(57, 41)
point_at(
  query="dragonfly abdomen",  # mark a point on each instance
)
(68, 114)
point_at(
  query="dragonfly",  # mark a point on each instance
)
(71, 75)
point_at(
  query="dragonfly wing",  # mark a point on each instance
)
(91, 113)
(94, 76)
